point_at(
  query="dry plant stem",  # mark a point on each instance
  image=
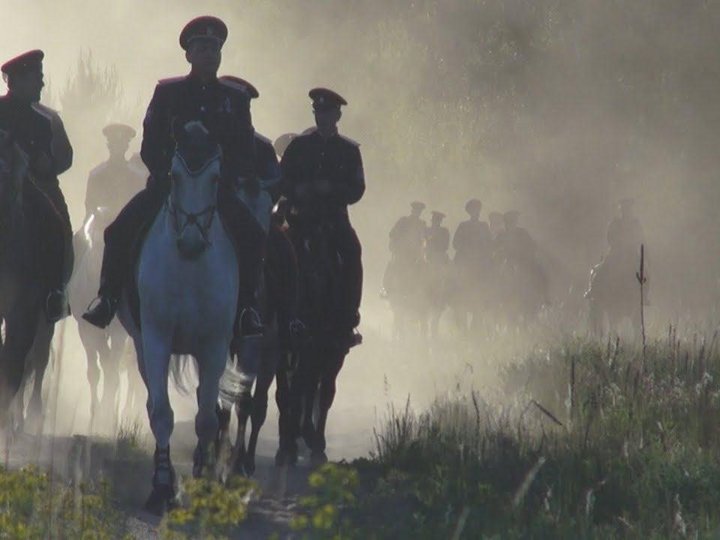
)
(641, 280)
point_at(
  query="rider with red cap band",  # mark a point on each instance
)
(322, 173)
(39, 133)
(224, 110)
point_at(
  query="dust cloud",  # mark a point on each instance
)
(556, 108)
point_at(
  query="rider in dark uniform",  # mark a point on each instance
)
(113, 183)
(37, 131)
(225, 112)
(437, 240)
(322, 173)
(472, 241)
(408, 234)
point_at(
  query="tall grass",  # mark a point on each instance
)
(593, 445)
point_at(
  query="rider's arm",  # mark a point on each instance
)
(289, 173)
(61, 147)
(238, 134)
(156, 134)
(352, 188)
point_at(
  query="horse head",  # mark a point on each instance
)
(13, 170)
(195, 174)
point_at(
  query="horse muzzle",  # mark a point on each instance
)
(191, 246)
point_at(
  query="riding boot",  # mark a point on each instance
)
(350, 251)
(249, 240)
(105, 305)
(121, 236)
(47, 229)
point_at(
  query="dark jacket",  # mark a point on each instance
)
(223, 109)
(310, 158)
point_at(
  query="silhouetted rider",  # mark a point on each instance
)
(225, 112)
(39, 133)
(322, 173)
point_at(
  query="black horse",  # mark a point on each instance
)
(278, 300)
(27, 241)
(306, 387)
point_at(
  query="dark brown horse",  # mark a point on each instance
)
(307, 391)
(24, 246)
(263, 357)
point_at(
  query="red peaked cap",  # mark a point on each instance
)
(27, 61)
(203, 27)
(245, 86)
(324, 99)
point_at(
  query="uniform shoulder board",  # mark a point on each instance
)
(263, 138)
(348, 139)
(170, 81)
(234, 85)
(46, 111)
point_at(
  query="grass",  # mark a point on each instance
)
(597, 442)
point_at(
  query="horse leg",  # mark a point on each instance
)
(156, 362)
(92, 343)
(223, 448)
(309, 382)
(39, 357)
(328, 387)
(287, 397)
(259, 407)
(20, 328)
(211, 366)
(110, 363)
(243, 409)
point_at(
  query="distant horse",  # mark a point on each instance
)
(405, 289)
(187, 284)
(261, 358)
(104, 349)
(308, 390)
(613, 295)
(25, 347)
(525, 291)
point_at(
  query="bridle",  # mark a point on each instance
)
(202, 220)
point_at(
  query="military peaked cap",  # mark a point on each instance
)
(242, 84)
(417, 205)
(325, 99)
(118, 131)
(438, 214)
(23, 63)
(203, 27)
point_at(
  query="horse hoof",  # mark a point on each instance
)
(249, 466)
(286, 457)
(161, 500)
(318, 458)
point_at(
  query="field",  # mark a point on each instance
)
(578, 440)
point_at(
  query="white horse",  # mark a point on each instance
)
(187, 280)
(105, 350)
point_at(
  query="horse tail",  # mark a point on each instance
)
(184, 373)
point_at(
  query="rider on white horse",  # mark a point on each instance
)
(224, 111)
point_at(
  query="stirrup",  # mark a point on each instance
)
(256, 329)
(56, 307)
(102, 313)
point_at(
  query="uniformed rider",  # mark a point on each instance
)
(322, 173)
(114, 182)
(224, 111)
(40, 134)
